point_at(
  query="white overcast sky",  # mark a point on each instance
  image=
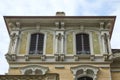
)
(49, 8)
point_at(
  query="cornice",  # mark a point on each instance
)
(80, 62)
(50, 20)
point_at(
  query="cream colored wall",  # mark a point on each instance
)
(69, 43)
(49, 43)
(96, 43)
(66, 74)
(24, 40)
(14, 72)
(63, 73)
(104, 74)
(23, 43)
(115, 75)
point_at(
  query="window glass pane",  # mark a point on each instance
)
(33, 43)
(86, 43)
(36, 43)
(40, 43)
(82, 43)
(85, 78)
(78, 44)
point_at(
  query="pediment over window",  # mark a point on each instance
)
(34, 70)
(85, 70)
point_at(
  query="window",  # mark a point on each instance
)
(34, 70)
(85, 72)
(28, 72)
(85, 78)
(36, 43)
(82, 43)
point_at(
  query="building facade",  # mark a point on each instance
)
(62, 47)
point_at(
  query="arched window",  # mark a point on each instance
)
(85, 72)
(82, 43)
(36, 43)
(38, 72)
(85, 78)
(28, 72)
(34, 70)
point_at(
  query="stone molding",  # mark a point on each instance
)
(48, 76)
(84, 70)
(33, 68)
(11, 57)
(28, 57)
(107, 57)
(116, 56)
(59, 57)
(84, 56)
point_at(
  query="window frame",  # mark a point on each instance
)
(33, 68)
(82, 36)
(36, 35)
(85, 69)
(90, 41)
(84, 77)
(29, 39)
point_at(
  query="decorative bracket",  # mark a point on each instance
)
(107, 57)
(59, 24)
(62, 57)
(35, 69)
(85, 70)
(59, 57)
(11, 57)
(28, 57)
(92, 57)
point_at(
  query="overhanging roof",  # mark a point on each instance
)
(66, 19)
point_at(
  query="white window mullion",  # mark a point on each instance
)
(36, 45)
(82, 40)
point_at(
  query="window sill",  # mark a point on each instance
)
(35, 56)
(77, 57)
(83, 55)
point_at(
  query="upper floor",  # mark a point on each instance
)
(59, 38)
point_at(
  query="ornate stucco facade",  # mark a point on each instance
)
(60, 54)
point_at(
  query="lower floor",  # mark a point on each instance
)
(30, 77)
(67, 71)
